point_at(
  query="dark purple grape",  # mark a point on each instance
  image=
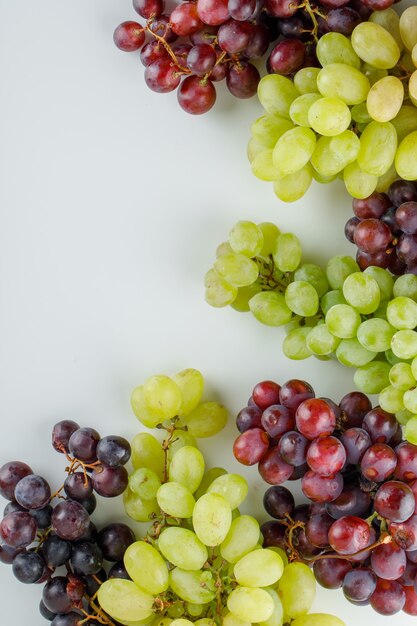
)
(78, 486)
(86, 559)
(330, 573)
(278, 502)
(406, 217)
(359, 584)
(42, 517)
(293, 27)
(71, 619)
(343, 20)
(55, 596)
(83, 444)
(7, 554)
(350, 228)
(372, 207)
(89, 504)
(201, 59)
(274, 534)
(280, 8)
(207, 34)
(287, 57)
(249, 417)
(304, 547)
(92, 583)
(408, 577)
(292, 447)
(56, 551)
(18, 529)
(32, 492)
(277, 420)
(70, 520)
(380, 425)
(118, 570)
(113, 450)
(258, 43)
(356, 441)
(299, 471)
(382, 259)
(61, 434)
(352, 501)
(110, 481)
(12, 507)
(90, 534)
(10, 474)
(46, 613)
(402, 191)
(241, 10)
(114, 539)
(28, 567)
(242, 80)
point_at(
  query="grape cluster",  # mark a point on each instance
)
(354, 117)
(384, 228)
(360, 528)
(40, 535)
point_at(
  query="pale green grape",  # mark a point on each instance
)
(162, 396)
(270, 233)
(360, 113)
(414, 55)
(302, 298)
(218, 291)
(281, 553)
(270, 308)
(414, 367)
(277, 617)
(164, 621)
(196, 587)
(305, 80)
(212, 518)
(404, 344)
(318, 619)
(253, 148)
(410, 430)
(223, 248)
(362, 292)
(242, 538)
(276, 93)
(338, 80)
(389, 20)
(180, 438)
(408, 27)
(393, 359)
(244, 295)
(338, 269)
(252, 604)
(191, 384)
(372, 377)
(293, 150)
(300, 106)
(314, 275)
(410, 400)
(206, 420)
(402, 313)
(146, 567)
(287, 252)
(295, 345)
(293, 186)
(269, 128)
(401, 376)
(147, 452)
(358, 183)
(406, 121)
(385, 99)
(207, 479)
(335, 296)
(351, 353)
(144, 482)
(147, 417)
(329, 116)
(297, 577)
(237, 269)
(231, 620)
(332, 154)
(375, 334)
(391, 399)
(381, 311)
(375, 45)
(181, 622)
(378, 147)
(385, 181)
(406, 157)
(232, 487)
(373, 74)
(204, 621)
(403, 416)
(321, 341)
(260, 568)
(412, 87)
(176, 610)
(138, 509)
(336, 48)
(343, 321)
(384, 279)
(263, 166)
(187, 467)
(123, 600)
(182, 548)
(175, 500)
(246, 238)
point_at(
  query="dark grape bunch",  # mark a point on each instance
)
(207, 41)
(50, 539)
(359, 530)
(384, 229)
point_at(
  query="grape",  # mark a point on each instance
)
(408, 29)
(358, 183)
(206, 420)
(196, 95)
(176, 500)
(146, 567)
(32, 492)
(349, 535)
(251, 446)
(371, 159)
(187, 467)
(113, 450)
(359, 584)
(388, 597)
(278, 502)
(352, 501)
(343, 82)
(249, 417)
(83, 444)
(293, 186)
(375, 45)
(78, 486)
(195, 587)
(321, 488)
(147, 452)
(110, 481)
(336, 48)
(18, 529)
(379, 462)
(237, 269)
(292, 447)
(287, 57)
(250, 604)
(232, 487)
(242, 80)
(342, 321)
(145, 483)
(28, 567)
(246, 238)
(10, 474)
(362, 292)
(61, 434)
(320, 341)
(405, 159)
(388, 561)
(242, 538)
(276, 94)
(182, 548)
(273, 469)
(114, 539)
(410, 606)
(314, 417)
(55, 596)
(301, 298)
(86, 559)
(212, 12)
(330, 573)
(129, 36)
(212, 518)
(162, 396)
(218, 292)
(70, 520)
(333, 154)
(404, 344)
(405, 533)
(385, 99)
(326, 456)
(267, 130)
(317, 526)
(293, 150)
(260, 568)
(69, 619)
(123, 600)
(380, 425)
(297, 576)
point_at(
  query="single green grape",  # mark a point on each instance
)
(123, 600)
(300, 107)
(191, 384)
(342, 321)
(329, 116)
(362, 292)
(206, 420)
(342, 81)
(351, 353)
(293, 186)
(336, 48)
(293, 150)
(305, 80)
(338, 269)
(232, 487)
(391, 399)
(212, 518)
(401, 376)
(252, 604)
(406, 285)
(187, 467)
(404, 344)
(146, 567)
(332, 297)
(242, 538)
(175, 500)
(237, 269)
(219, 292)
(162, 396)
(260, 568)
(359, 184)
(246, 238)
(372, 377)
(145, 483)
(301, 298)
(375, 334)
(378, 145)
(182, 548)
(320, 341)
(287, 252)
(295, 345)
(276, 93)
(269, 128)
(297, 576)
(270, 308)
(375, 45)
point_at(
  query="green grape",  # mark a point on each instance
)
(205, 621)
(176, 500)
(389, 20)
(246, 238)
(147, 452)
(195, 610)
(187, 467)
(260, 568)
(378, 147)
(401, 376)
(385, 99)
(329, 116)
(138, 509)
(381, 311)
(406, 121)
(231, 620)
(323, 180)
(206, 420)
(402, 313)
(384, 279)
(176, 610)
(144, 483)
(305, 80)
(385, 181)
(358, 183)
(270, 233)
(338, 80)
(146, 567)
(360, 113)
(281, 553)
(412, 87)
(196, 587)
(410, 430)
(164, 621)
(391, 399)
(182, 548)
(410, 400)
(318, 619)
(244, 295)
(332, 154)
(287, 252)
(270, 308)
(293, 186)
(375, 335)
(342, 321)
(293, 150)
(393, 359)
(232, 487)
(179, 439)
(362, 292)
(207, 479)
(295, 345)
(373, 74)
(218, 292)
(242, 538)
(269, 128)
(191, 384)
(404, 344)
(212, 518)
(141, 410)
(338, 269)
(162, 397)
(123, 600)
(254, 148)
(276, 93)
(406, 157)
(237, 269)
(296, 577)
(223, 248)
(263, 166)
(413, 366)
(372, 377)
(414, 55)
(314, 275)
(375, 45)
(408, 27)
(252, 604)
(320, 341)
(335, 296)
(352, 354)
(336, 48)
(302, 298)
(403, 416)
(181, 622)
(277, 617)
(300, 106)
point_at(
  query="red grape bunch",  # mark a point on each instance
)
(359, 530)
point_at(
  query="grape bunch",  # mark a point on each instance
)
(384, 228)
(42, 532)
(354, 117)
(359, 530)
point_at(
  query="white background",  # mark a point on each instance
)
(112, 203)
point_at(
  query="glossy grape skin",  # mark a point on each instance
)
(56, 551)
(326, 456)
(61, 434)
(349, 535)
(10, 474)
(46, 613)
(113, 450)
(78, 486)
(83, 444)
(274, 534)
(129, 36)
(55, 596)
(318, 525)
(114, 539)
(408, 577)
(355, 405)
(388, 597)
(380, 425)
(110, 482)
(359, 584)
(196, 95)
(405, 533)
(277, 420)
(86, 559)
(148, 8)
(388, 561)
(293, 448)
(343, 20)
(395, 501)
(251, 446)
(241, 10)
(330, 573)
(372, 235)
(321, 488)
(7, 553)
(352, 501)
(162, 76)
(280, 8)
(406, 469)
(32, 492)
(118, 570)
(28, 567)
(18, 529)
(315, 418)
(213, 12)
(379, 462)
(355, 441)
(70, 520)
(249, 417)
(184, 19)
(151, 52)
(273, 469)
(402, 191)
(287, 57)
(350, 227)
(278, 502)
(259, 42)
(266, 393)
(242, 81)
(201, 59)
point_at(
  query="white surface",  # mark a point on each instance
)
(112, 203)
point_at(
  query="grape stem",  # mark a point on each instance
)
(312, 12)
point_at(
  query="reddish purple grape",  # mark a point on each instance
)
(321, 488)
(185, 20)
(110, 482)
(379, 462)
(219, 71)
(278, 502)
(405, 533)
(251, 446)
(406, 469)
(349, 535)
(7, 553)
(10, 474)
(242, 80)
(266, 393)
(355, 441)
(410, 606)
(114, 539)
(241, 10)
(408, 577)
(315, 418)
(287, 57)
(32, 492)
(372, 207)
(149, 8)
(304, 547)
(407, 249)
(343, 20)
(201, 59)
(274, 534)
(406, 217)
(83, 444)
(388, 561)
(378, 259)
(258, 43)
(299, 472)
(161, 26)
(350, 228)
(118, 570)
(61, 434)
(18, 529)
(196, 95)
(70, 520)
(280, 8)
(234, 36)
(372, 235)
(388, 597)
(394, 501)
(293, 447)
(330, 573)
(129, 36)
(318, 525)
(207, 34)
(162, 76)
(359, 584)
(352, 501)
(364, 555)
(249, 417)
(78, 486)
(277, 420)
(273, 469)
(153, 51)
(55, 596)
(181, 52)
(213, 12)
(294, 392)
(402, 191)
(380, 425)
(355, 405)
(326, 456)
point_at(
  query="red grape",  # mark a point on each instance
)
(315, 418)
(196, 95)
(266, 393)
(129, 36)
(251, 446)
(349, 535)
(272, 468)
(388, 561)
(201, 59)
(321, 488)
(184, 19)
(330, 573)
(162, 76)
(326, 456)
(394, 501)
(277, 420)
(379, 462)
(388, 597)
(213, 12)
(287, 57)
(149, 8)
(242, 80)
(294, 392)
